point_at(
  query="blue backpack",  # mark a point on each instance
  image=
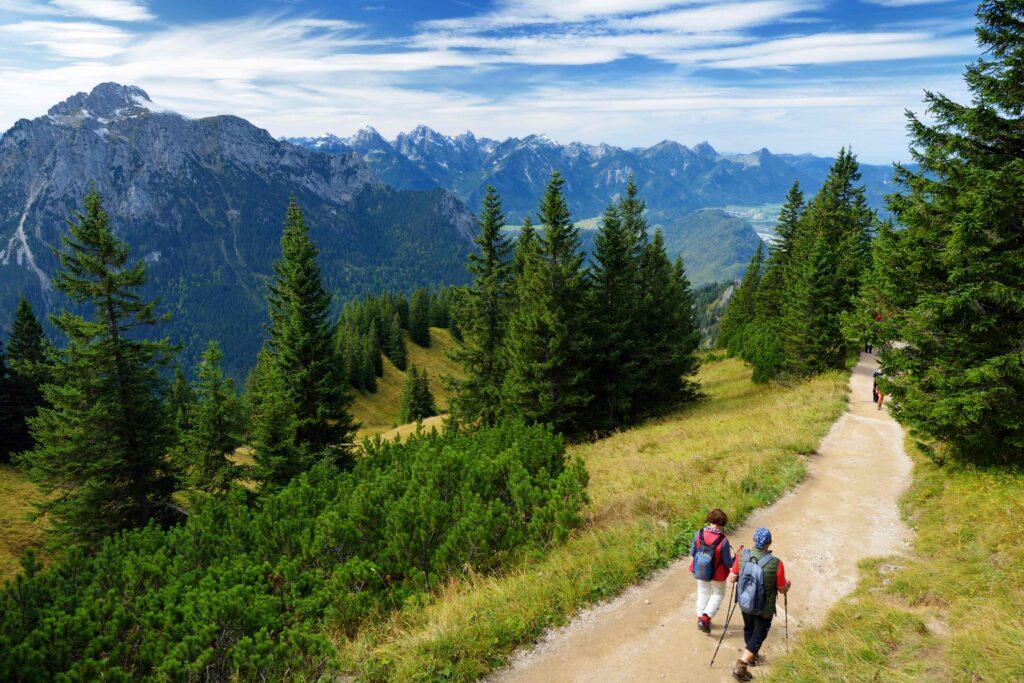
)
(704, 557)
(750, 593)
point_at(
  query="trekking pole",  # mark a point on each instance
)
(728, 617)
(785, 602)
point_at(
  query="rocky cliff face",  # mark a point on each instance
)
(202, 200)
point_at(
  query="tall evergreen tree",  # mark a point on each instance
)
(103, 435)
(180, 398)
(304, 351)
(813, 341)
(417, 401)
(526, 245)
(770, 292)
(958, 374)
(614, 298)
(395, 347)
(28, 361)
(669, 332)
(485, 306)
(419, 317)
(548, 337)
(214, 428)
(741, 309)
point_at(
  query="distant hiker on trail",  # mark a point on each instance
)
(760, 577)
(877, 395)
(712, 558)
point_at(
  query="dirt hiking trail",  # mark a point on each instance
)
(844, 511)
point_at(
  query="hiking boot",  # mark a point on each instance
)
(740, 673)
(704, 623)
(758, 659)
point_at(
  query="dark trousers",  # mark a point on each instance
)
(755, 630)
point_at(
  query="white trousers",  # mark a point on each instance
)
(709, 596)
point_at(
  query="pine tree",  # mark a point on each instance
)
(369, 365)
(180, 398)
(526, 245)
(28, 361)
(214, 428)
(417, 401)
(957, 376)
(419, 317)
(614, 295)
(741, 309)
(395, 347)
(768, 304)
(668, 356)
(304, 350)
(103, 434)
(813, 341)
(485, 304)
(277, 454)
(548, 337)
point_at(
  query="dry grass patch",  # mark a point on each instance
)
(17, 532)
(378, 410)
(649, 487)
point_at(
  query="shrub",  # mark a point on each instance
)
(244, 588)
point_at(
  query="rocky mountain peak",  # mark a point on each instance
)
(105, 102)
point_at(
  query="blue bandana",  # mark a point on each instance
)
(762, 537)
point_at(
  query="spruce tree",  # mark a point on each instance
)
(103, 435)
(957, 376)
(214, 428)
(741, 309)
(304, 350)
(417, 401)
(395, 348)
(770, 292)
(419, 317)
(613, 304)
(526, 245)
(548, 336)
(485, 305)
(669, 332)
(28, 365)
(180, 398)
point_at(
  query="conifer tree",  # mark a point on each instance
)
(741, 309)
(304, 350)
(395, 348)
(419, 317)
(669, 332)
(526, 244)
(28, 366)
(958, 374)
(548, 338)
(370, 355)
(214, 428)
(417, 400)
(277, 455)
(614, 298)
(103, 434)
(485, 307)
(180, 398)
(813, 340)
(768, 304)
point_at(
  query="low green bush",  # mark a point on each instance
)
(243, 589)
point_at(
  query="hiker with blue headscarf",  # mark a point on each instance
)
(759, 577)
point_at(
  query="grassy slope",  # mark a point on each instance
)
(16, 532)
(378, 410)
(650, 486)
(950, 609)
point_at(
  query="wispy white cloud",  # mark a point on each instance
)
(74, 39)
(110, 10)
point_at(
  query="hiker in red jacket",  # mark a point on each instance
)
(711, 558)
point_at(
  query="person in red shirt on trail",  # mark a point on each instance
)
(757, 624)
(710, 560)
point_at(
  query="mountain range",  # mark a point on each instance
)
(674, 179)
(203, 201)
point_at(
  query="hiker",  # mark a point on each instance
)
(869, 346)
(760, 577)
(711, 559)
(877, 395)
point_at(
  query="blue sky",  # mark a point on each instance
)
(791, 75)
